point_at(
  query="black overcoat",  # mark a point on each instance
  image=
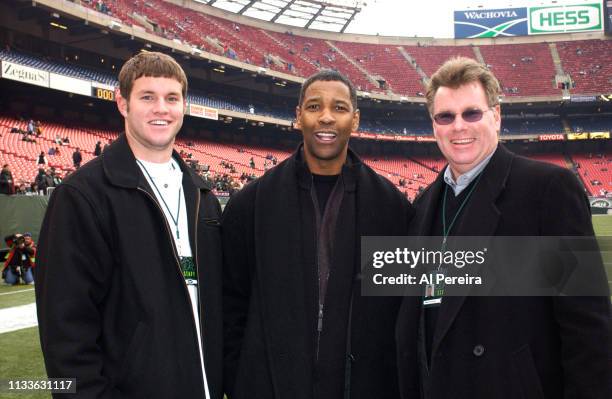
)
(270, 289)
(113, 307)
(519, 347)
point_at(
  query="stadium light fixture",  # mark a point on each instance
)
(114, 25)
(59, 26)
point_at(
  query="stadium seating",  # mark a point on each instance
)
(594, 170)
(429, 58)
(588, 63)
(416, 172)
(386, 62)
(522, 69)
(525, 69)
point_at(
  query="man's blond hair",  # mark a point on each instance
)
(459, 71)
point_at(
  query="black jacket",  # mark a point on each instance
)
(510, 347)
(271, 296)
(113, 307)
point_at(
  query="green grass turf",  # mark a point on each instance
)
(22, 359)
(10, 295)
(602, 224)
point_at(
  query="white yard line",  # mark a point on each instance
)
(18, 317)
(15, 292)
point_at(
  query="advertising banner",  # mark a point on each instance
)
(491, 23)
(201, 111)
(69, 84)
(22, 73)
(599, 135)
(565, 18)
(550, 137)
(577, 136)
(523, 21)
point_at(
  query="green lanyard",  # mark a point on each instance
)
(446, 231)
(178, 211)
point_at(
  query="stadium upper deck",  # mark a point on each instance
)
(524, 69)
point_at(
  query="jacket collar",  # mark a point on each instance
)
(349, 172)
(120, 166)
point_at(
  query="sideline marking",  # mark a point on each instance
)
(15, 292)
(18, 318)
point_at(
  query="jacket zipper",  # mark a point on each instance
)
(178, 263)
(319, 327)
(197, 213)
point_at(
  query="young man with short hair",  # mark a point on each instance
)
(129, 280)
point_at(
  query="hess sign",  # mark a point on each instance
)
(570, 18)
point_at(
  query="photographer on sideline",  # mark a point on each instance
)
(20, 260)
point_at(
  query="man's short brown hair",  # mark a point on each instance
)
(152, 64)
(459, 71)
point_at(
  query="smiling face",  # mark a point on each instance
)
(326, 118)
(465, 144)
(153, 116)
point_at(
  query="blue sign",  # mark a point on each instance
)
(491, 23)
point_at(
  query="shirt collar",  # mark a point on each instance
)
(465, 179)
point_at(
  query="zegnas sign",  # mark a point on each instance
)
(25, 74)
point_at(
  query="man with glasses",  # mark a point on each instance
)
(497, 347)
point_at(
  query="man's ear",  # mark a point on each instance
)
(122, 103)
(356, 119)
(497, 117)
(298, 114)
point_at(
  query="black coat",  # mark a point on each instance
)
(7, 185)
(519, 347)
(113, 307)
(270, 287)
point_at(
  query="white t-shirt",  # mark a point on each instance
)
(166, 181)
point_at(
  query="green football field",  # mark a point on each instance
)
(20, 350)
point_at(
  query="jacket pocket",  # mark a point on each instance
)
(132, 361)
(211, 222)
(528, 376)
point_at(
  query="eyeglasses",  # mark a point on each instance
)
(470, 115)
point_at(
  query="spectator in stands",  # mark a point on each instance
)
(286, 329)
(42, 181)
(66, 140)
(51, 151)
(553, 346)
(122, 247)
(98, 148)
(77, 158)
(252, 163)
(58, 140)
(20, 260)
(7, 184)
(42, 159)
(30, 127)
(55, 178)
